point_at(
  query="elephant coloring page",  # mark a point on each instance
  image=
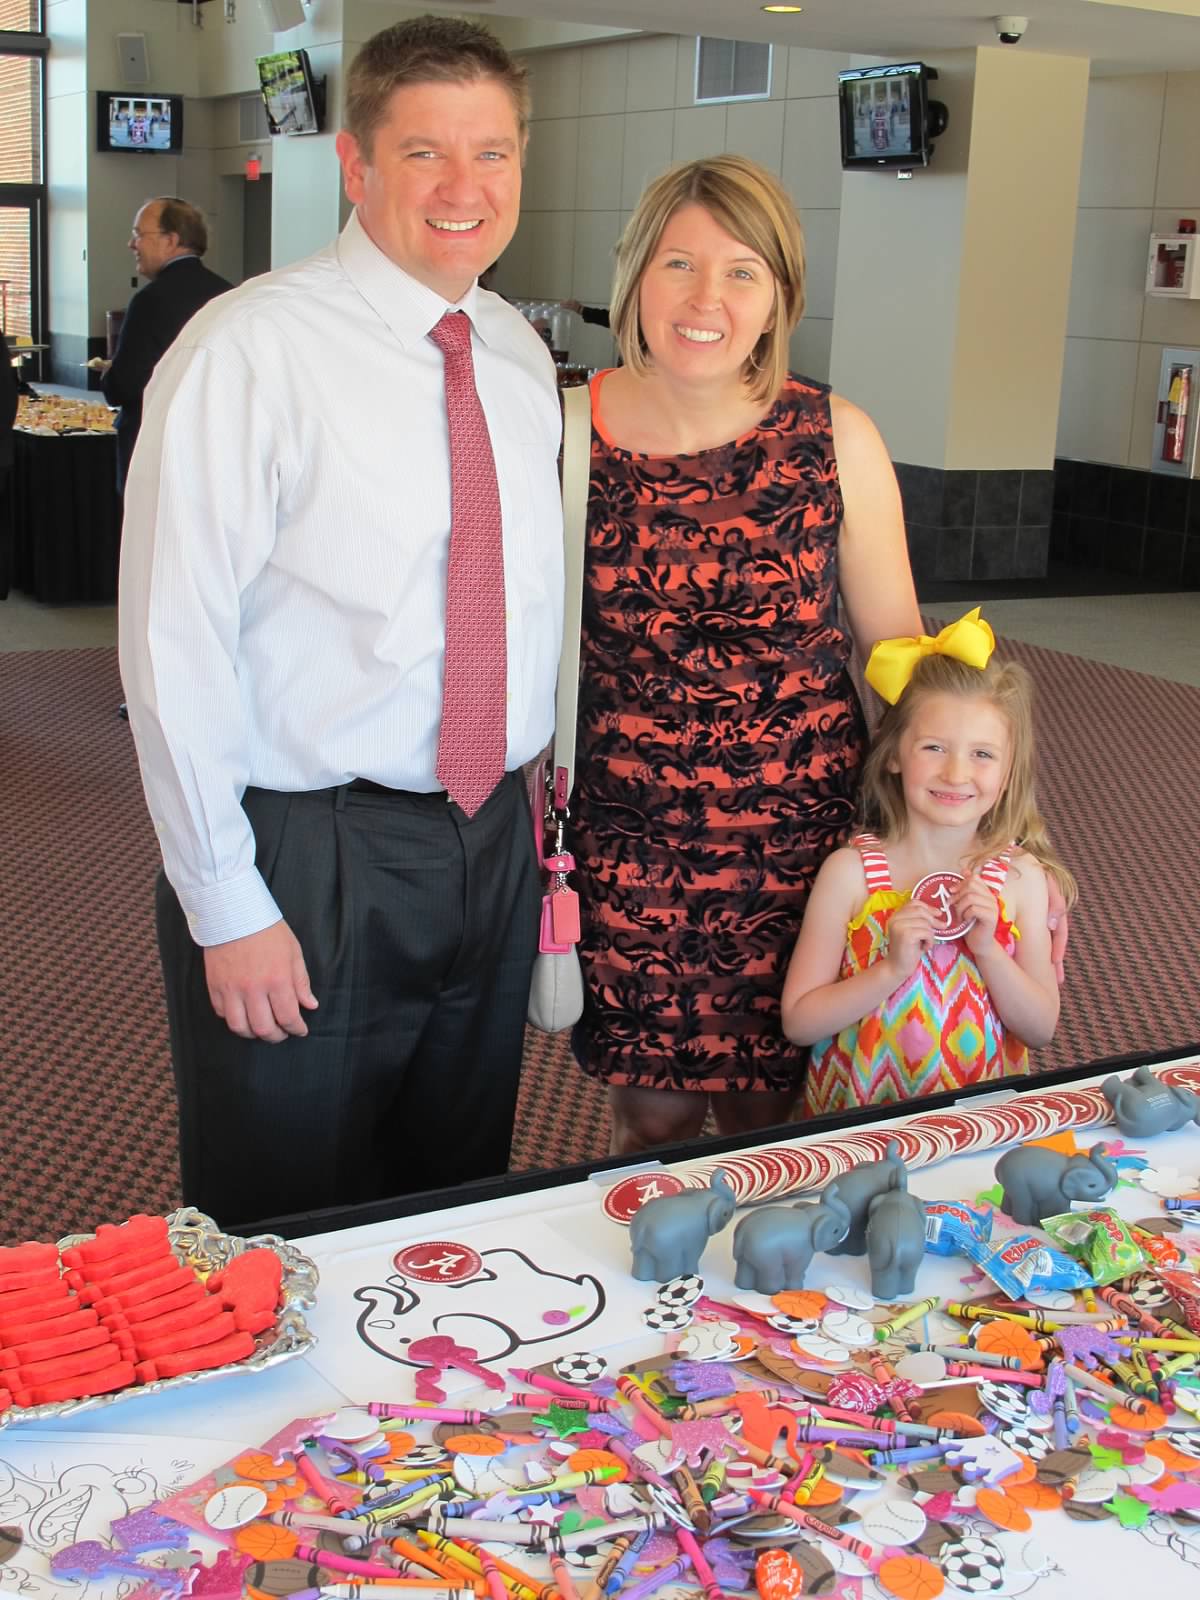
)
(509, 1291)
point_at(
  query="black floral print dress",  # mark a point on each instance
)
(719, 744)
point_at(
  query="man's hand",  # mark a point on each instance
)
(258, 984)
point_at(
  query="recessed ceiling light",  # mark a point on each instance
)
(787, 11)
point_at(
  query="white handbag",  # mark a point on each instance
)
(556, 988)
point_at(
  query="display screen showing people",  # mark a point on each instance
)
(139, 124)
(882, 115)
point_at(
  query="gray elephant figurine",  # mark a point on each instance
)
(668, 1234)
(858, 1187)
(1038, 1182)
(774, 1245)
(895, 1242)
(1144, 1105)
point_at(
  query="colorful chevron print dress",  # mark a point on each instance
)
(938, 1030)
(720, 738)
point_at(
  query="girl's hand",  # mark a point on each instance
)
(975, 899)
(910, 934)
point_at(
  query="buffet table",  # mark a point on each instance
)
(66, 514)
(547, 1272)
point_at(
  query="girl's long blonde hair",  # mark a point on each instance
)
(1015, 816)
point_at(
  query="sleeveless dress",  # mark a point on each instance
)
(938, 1030)
(719, 744)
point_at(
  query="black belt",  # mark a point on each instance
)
(369, 786)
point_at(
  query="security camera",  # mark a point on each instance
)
(1009, 30)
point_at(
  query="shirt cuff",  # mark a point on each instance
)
(233, 909)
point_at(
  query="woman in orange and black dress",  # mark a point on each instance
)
(731, 505)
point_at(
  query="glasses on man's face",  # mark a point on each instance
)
(144, 233)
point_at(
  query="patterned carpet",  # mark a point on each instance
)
(89, 1127)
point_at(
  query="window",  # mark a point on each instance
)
(730, 69)
(22, 173)
(20, 118)
(21, 16)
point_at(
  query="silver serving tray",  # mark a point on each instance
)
(198, 1242)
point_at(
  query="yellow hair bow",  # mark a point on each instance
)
(893, 661)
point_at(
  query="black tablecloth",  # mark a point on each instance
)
(65, 517)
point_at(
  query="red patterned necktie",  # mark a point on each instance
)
(473, 741)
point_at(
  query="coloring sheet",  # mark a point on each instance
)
(512, 1291)
(62, 1489)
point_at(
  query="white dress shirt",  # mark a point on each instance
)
(283, 565)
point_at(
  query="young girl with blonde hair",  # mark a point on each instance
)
(923, 961)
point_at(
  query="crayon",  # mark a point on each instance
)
(805, 1519)
(465, 1557)
(961, 1352)
(687, 1543)
(562, 1577)
(620, 1573)
(347, 1564)
(656, 1579)
(420, 1413)
(535, 1380)
(910, 1314)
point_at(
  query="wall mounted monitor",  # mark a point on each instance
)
(143, 123)
(887, 117)
(295, 101)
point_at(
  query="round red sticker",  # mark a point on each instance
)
(936, 890)
(438, 1261)
(631, 1194)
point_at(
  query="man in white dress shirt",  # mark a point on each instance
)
(346, 952)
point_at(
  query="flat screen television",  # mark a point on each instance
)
(142, 122)
(887, 117)
(295, 101)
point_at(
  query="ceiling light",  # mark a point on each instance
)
(787, 11)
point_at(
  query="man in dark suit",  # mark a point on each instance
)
(168, 239)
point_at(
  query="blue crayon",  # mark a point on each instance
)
(916, 1452)
(392, 1496)
(616, 1578)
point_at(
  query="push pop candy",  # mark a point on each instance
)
(1024, 1263)
(1100, 1240)
(950, 1225)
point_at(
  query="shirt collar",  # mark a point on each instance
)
(410, 308)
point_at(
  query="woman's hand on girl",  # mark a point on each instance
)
(975, 900)
(910, 933)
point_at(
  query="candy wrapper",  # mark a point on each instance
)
(950, 1225)
(1185, 1291)
(1024, 1262)
(1100, 1240)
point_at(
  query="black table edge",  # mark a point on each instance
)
(335, 1219)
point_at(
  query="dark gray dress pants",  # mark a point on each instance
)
(419, 928)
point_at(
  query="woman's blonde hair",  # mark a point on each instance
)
(1015, 816)
(752, 205)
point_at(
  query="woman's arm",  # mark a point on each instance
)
(1023, 987)
(873, 570)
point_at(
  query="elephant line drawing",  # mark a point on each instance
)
(496, 1313)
